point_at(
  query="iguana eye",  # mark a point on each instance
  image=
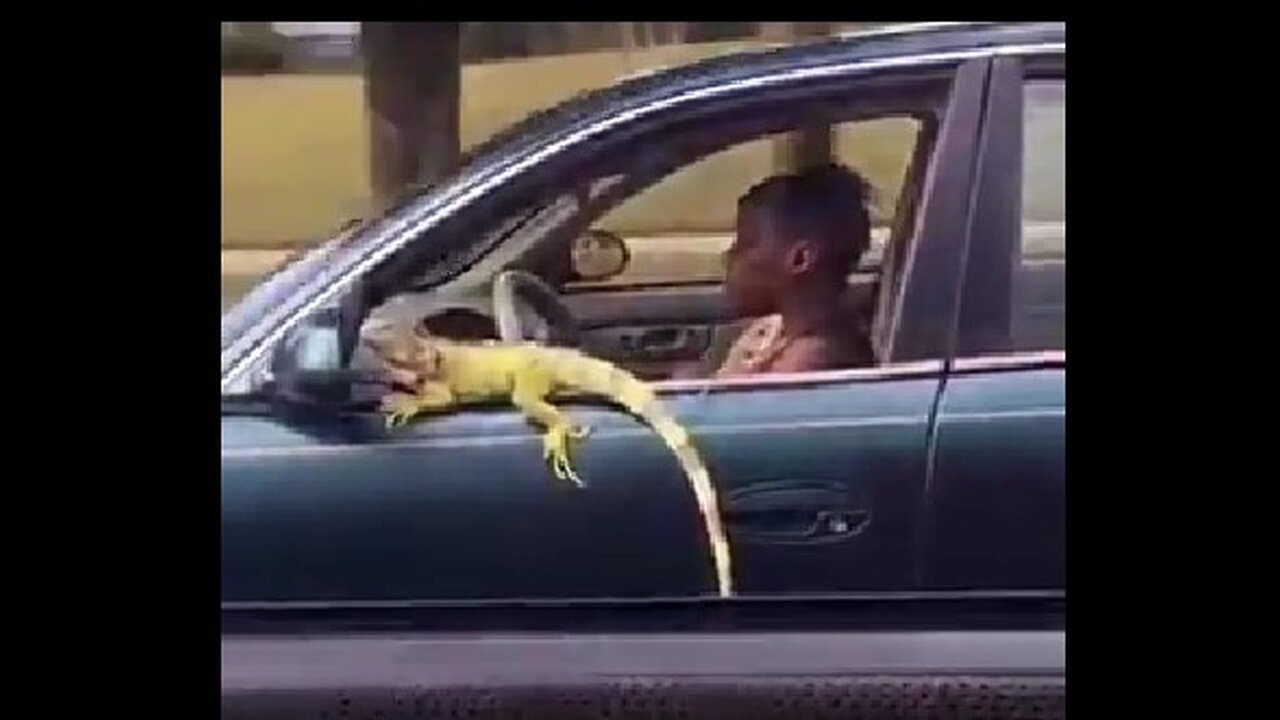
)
(430, 359)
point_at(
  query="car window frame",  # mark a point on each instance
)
(922, 305)
(986, 304)
(923, 302)
(932, 244)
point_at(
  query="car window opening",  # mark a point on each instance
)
(592, 230)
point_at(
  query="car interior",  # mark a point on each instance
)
(552, 272)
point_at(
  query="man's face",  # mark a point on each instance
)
(754, 267)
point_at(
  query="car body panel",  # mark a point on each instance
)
(997, 499)
(464, 508)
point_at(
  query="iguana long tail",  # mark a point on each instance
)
(579, 373)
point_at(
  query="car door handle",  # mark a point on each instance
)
(790, 512)
(661, 340)
(667, 341)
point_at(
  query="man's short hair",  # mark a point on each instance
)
(827, 204)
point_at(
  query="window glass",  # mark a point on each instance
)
(1039, 288)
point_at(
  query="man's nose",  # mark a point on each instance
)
(727, 255)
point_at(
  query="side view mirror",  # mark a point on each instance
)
(306, 360)
(311, 363)
(599, 255)
(313, 349)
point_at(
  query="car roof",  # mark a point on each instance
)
(873, 44)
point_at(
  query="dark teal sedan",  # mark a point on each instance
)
(939, 469)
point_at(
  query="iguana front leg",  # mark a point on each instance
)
(558, 430)
(430, 397)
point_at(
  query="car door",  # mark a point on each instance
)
(997, 499)
(822, 475)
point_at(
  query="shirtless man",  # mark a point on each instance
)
(798, 238)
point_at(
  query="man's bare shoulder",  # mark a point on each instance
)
(837, 351)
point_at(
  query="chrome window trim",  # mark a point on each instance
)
(909, 28)
(730, 427)
(1011, 361)
(895, 371)
(254, 345)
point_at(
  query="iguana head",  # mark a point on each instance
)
(410, 356)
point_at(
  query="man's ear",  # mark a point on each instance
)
(801, 257)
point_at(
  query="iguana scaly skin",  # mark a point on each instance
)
(446, 374)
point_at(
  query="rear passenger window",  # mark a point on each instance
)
(1039, 287)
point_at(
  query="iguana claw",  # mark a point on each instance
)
(399, 407)
(555, 450)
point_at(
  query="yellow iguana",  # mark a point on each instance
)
(446, 374)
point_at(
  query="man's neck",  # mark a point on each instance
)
(811, 310)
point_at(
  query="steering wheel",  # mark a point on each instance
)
(528, 309)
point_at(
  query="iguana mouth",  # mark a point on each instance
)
(401, 377)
